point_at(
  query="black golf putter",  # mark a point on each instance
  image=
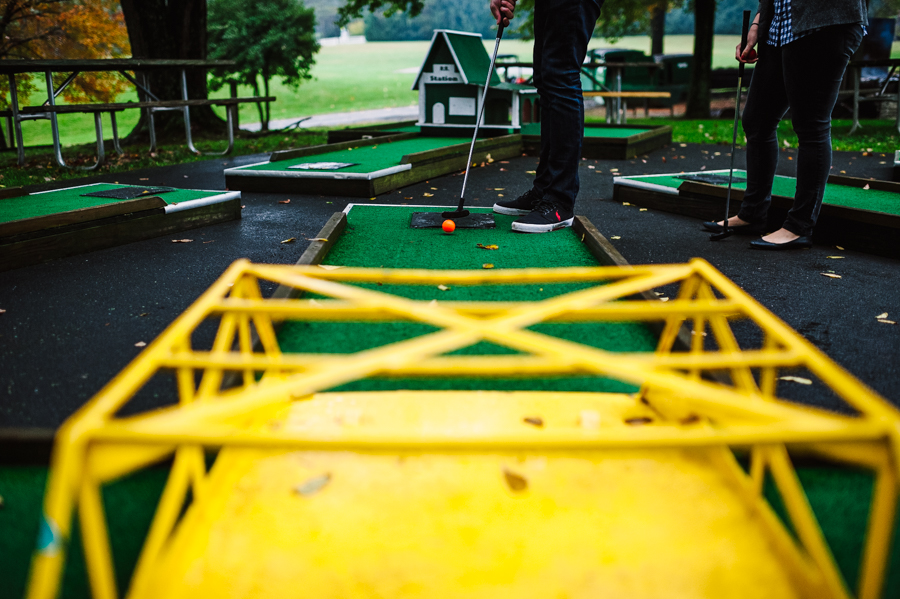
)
(726, 232)
(461, 212)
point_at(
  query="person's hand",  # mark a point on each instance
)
(503, 11)
(747, 54)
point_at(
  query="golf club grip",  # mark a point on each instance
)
(745, 31)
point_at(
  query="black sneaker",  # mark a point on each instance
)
(546, 216)
(523, 204)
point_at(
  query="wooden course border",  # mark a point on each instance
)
(852, 228)
(40, 239)
(611, 148)
(419, 166)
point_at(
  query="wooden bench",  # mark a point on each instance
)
(149, 102)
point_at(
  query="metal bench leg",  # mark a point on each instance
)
(856, 75)
(14, 106)
(115, 132)
(187, 124)
(151, 125)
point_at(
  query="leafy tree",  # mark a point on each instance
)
(267, 38)
(460, 15)
(63, 29)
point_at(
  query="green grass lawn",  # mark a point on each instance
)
(356, 77)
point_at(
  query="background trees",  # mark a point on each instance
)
(267, 38)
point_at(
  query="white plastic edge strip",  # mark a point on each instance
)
(237, 172)
(349, 206)
(626, 182)
(199, 203)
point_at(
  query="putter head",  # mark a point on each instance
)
(722, 235)
(460, 212)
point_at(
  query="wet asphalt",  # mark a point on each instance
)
(70, 325)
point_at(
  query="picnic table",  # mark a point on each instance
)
(49, 109)
(617, 107)
(881, 93)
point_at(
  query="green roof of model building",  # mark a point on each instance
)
(465, 50)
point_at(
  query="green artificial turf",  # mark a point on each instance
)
(129, 505)
(368, 159)
(887, 202)
(613, 132)
(378, 236)
(64, 200)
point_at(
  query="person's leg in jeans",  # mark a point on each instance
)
(814, 66)
(562, 30)
(767, 102)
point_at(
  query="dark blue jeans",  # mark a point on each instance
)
(805, 76)
(562, 30)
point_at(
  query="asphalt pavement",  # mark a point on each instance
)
(71, 325)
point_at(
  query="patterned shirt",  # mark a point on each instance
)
(781, 31)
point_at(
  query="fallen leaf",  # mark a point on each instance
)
(866, 186)
(886, 321)
(488, 247)
(433, 188)
(642, 210)
(284, 201)
(2, 311)
(487, 266)
(837, 247)
(289, 240)
(443, 288)
(626, 203)
(534, 420)
(145, 178)
(638, 420)
(318, 239)
(182, 240)
(141, 344)
(614, 237)
(313, 485)
(836, 257)
(499, 189)
(330, 266)
(882, 315)
(515, 482)
(428, 195)
(371, 198)
(531, 172)
(144, 314)
(795, 379)
(829, 275)
(663, 299)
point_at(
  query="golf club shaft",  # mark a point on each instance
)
(737, 116)
(487, 84)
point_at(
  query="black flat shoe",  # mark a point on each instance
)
(801, 243)
(751, 229)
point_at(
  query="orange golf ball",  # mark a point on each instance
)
(448, 226)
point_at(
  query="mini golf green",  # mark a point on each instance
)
(887, 202)
(369, 159)
(71, 198)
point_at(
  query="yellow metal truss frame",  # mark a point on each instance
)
(739, 408)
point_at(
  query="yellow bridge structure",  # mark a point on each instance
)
(318, 493)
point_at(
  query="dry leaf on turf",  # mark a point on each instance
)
(428, 195)
(516, 482)
(836, 257)
(318, 239)
(499, 189)
(313, 485)
(182, 240)
(886, 321)
(626, 203)
(290, 240)
(140, 344)
(443, 288)
(487, 265)
(284, 201)
(829, 275)
(531, 172)
(866, 186)
(837, 247)
(882, 315)
(795, 379)
(488, 247)
(614, 237)
(642, 210)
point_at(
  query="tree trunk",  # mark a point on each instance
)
(259, 105)
(265, 123)
(701, 72)
(658, 27)
(171, 29)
